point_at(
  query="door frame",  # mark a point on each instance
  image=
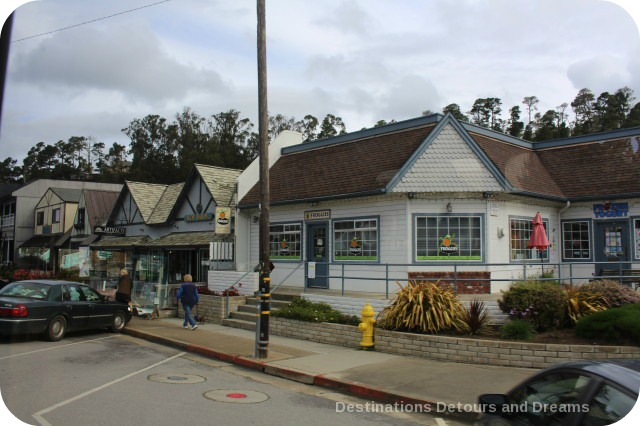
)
(599, 244)
(322, 269)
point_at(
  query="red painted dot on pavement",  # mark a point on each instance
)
(236, 395)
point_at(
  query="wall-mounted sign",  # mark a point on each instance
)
(317, 215)
(447, 246)
(607, 210)
(109, 230)
(223, 220)
(199, 217)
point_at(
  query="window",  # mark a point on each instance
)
(81, 217)
(636, 236)
(575, 240)
(355, 240)
(520, 234)
(448, 238)
(285, 241)
(40, 218)
(55, 216)
(608, 406)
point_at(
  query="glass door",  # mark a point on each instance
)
(317, 255)
(612, 244)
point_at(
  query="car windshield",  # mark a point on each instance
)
(28, 290)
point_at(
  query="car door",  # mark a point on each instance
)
(77, 308)
(100, 312)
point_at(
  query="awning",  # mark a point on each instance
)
(90, 240)
(121, 243)
(63, 239)
(39, 241)
(183, 239)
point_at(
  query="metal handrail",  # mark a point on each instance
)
(290, 273)
(226, 302)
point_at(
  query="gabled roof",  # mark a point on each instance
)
(165, 205)
(146, 196)
(98, 205)
(376, 161)
(67, 195)
(220, 182)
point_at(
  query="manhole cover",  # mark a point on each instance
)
(236, 396)
(187, 379)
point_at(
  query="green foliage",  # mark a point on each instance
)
(613, 292)
(476, 317)
(541, 303)
(620, 325)
(581, 302)
(423, 307)
(517, 329)
(304, 310)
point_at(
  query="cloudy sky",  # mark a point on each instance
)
(363, 60)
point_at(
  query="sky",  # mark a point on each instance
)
(91, 67)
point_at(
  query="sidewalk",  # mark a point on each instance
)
(371, 375)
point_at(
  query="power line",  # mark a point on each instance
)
(89, 22)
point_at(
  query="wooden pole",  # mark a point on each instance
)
(262, 345)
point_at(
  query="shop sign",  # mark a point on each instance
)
(109, 230)
(223, 220)
(317, 215)
(199, 217)
(447, 246)
(104, 254)
(608, 210)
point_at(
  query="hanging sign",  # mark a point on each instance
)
(607, 210)
(223, 220)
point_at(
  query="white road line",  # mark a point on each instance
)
(440, 422)
(39, 414)
(57, 347)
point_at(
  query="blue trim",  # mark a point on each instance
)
(538, 260)
(333, 242)
(636, 249)
(366, 133)
(298, 222)
(594, 137)
(414, 248)
(496, 135)
(591, 240)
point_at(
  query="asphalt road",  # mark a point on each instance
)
(110, 379)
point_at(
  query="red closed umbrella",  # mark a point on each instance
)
(538, 238)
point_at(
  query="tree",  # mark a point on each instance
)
(331, 126)
(114, 165)
(231, 137)
(309, 128)
(633, 118)
(531, 102)
(583, 108)
(515, 125)
(10, 172)
(485, 112)
(40, 162)
(280, 123)
(454, 109)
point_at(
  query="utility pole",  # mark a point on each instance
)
(262, 344)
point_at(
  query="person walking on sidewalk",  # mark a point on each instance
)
(188, 296)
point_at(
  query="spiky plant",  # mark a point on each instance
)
(581, 302)
(423, 307)
(476, 317)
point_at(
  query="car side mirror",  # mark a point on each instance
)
(492, 403)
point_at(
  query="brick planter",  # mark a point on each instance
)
(213, 307)
(452, 349)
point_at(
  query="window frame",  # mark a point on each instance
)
(635, 230)
(481, 239)
(590, 240)
(545, 258)
(40, 218)
(355, 259)
(300, 232)
(55, 216)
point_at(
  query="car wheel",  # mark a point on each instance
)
(118, 323)
(57, 328)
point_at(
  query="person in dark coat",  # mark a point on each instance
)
(188, 296)
(123, 291)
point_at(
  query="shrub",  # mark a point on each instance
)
(517, 329)
(423, 307)
(620, 324)
(613, 292)
(475, 317)
(22, 274)
(541, 303)
(581, 303)
(304, 310)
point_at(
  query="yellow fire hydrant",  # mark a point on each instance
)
(366, 326)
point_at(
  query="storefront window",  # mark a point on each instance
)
(448, 238)
(575, 240)
(636, 236)
(285, 241)
(106, 267)
(520, 235)
(355, 240)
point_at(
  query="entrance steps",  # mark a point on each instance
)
(246, 317)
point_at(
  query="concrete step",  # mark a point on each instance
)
(244, 316)
(237, 323)
(275, 304)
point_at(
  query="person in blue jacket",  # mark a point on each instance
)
(188, 296)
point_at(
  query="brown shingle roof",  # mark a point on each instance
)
(98, 205)
(349, 168)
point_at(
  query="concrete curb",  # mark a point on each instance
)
(320, 380)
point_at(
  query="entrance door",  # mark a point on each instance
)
(317, 251)
(612, 244)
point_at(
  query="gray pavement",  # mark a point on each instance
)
(449, 387)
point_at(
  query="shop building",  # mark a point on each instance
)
(435, 197)
(159, 233)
